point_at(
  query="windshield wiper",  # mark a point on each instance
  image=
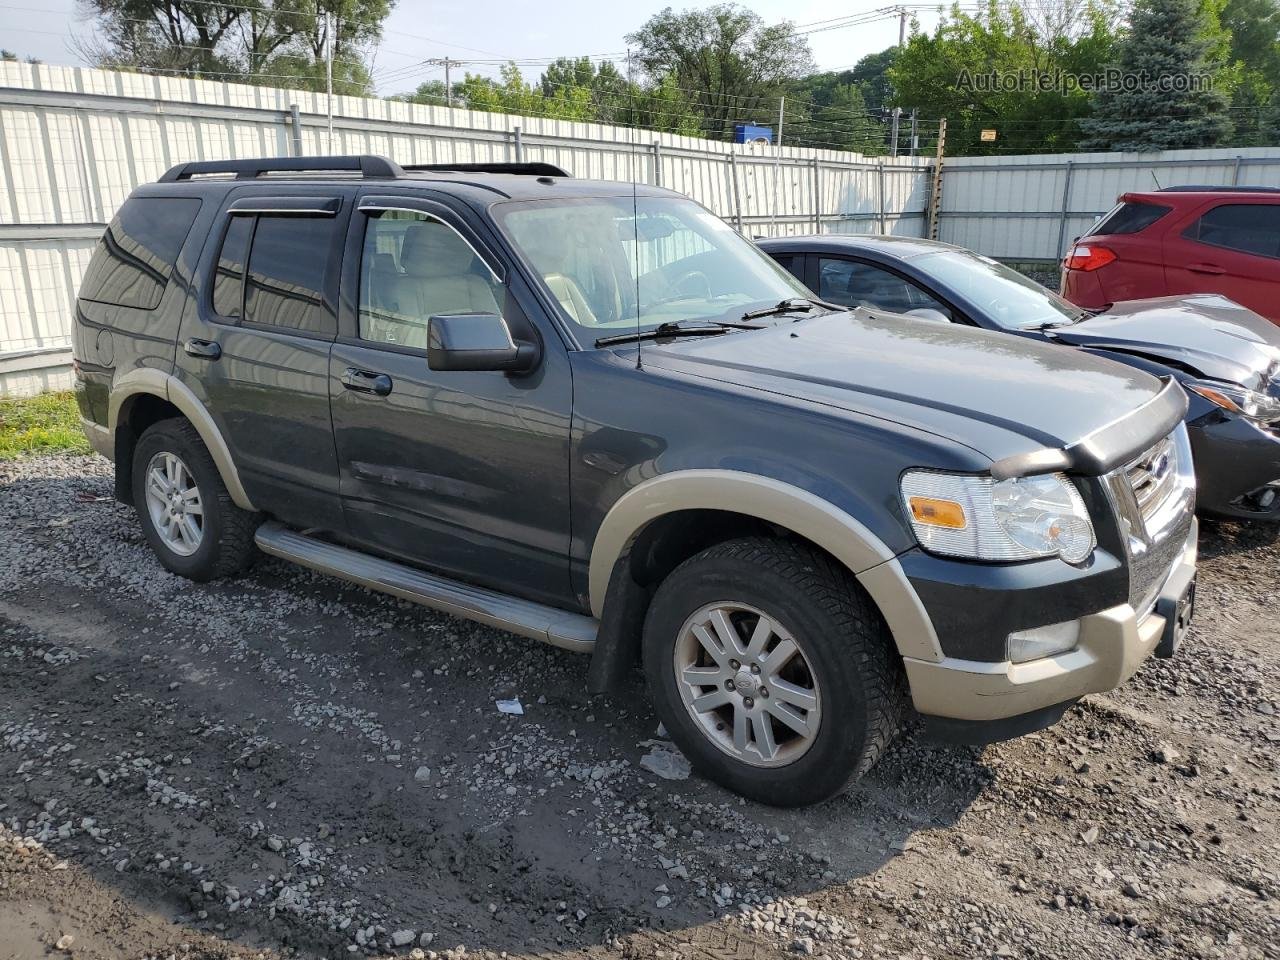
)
(794, 305)
(673, 328)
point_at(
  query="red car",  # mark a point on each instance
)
(1181, 240)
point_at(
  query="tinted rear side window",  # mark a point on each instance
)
(1129, 218)
(285, 281)
(135, 257)
(1247, 227)
(228, 277)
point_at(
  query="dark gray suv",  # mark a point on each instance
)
(593, 414)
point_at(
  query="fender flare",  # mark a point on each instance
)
(168, 387)
(870, 561)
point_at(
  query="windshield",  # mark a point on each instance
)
(1011, 300)
(690, 264)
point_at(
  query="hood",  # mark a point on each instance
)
(1002, 396)
(1207, 335)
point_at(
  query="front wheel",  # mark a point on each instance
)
(772, 670)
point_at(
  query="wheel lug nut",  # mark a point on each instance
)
(729, 685)
(764, 692)
(755, 668)
(735, 664)
(747, 701)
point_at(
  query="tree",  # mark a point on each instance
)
(254, 41)
(1172, 96)
(1254, 27)
(728, 62)
(971, 69)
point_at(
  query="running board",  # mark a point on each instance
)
(572, 631)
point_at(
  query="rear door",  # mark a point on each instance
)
(466, 473)
(256, 349)
(1229, 247)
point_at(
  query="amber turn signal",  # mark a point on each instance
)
(938, 513)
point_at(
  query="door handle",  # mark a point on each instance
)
(1210, 268)
(205, 349)
(365, 381)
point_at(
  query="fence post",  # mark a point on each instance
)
(1235, 173)
(1066, 207)
(817, 196)
(737, 199)
(880, 171)
(296, 122)
(935, 189)
(657, 163)
(519, 143)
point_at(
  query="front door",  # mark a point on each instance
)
(466, 473)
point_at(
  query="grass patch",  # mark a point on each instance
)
(48, 423)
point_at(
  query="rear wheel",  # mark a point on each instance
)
(187, 515)
(772, 670)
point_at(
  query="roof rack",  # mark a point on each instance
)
(368, 167)
(1210, 188)
(530, 169)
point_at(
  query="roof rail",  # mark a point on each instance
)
(1209, 188)
(367, 166)
(530, 169)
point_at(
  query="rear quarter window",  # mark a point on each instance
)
(135, 257)
(1130, 217)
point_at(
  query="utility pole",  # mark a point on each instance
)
(447, 63)
(328, 75)
(897, 111)
(777, 159)
(915, 130)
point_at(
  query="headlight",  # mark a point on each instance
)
(1238, 399)
(985, 519)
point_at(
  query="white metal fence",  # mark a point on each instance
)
(75, 141)
(1031, 207)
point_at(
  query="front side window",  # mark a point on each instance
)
(414, 267)
(855, 284)
(285, 279)
(615, 264)
(1004, 296)
(1247, 227)
(135, 257)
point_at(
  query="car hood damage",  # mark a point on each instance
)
(1011, 399)
(1206, 335)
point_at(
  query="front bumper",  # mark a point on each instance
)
(1014, 698)
(1234, 459)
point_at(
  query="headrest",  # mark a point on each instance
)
(433, 250)
(383, 263)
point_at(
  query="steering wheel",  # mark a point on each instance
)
(675, 289)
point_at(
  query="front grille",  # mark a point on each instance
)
(1154, 499)
(1153, 477)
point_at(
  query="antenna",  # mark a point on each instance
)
(635, 208)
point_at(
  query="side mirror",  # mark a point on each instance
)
(476, 341)
(928, 313)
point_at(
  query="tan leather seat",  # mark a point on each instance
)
(441, 275)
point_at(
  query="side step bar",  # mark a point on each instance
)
(572, 631)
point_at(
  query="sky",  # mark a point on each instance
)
(490, 30)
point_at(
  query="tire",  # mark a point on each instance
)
(224, 545)
(845, 666)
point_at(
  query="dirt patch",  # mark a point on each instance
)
(287, 766)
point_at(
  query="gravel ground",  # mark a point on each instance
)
(285, 766)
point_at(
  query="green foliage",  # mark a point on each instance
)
(731, 66)
(1167, 39)
(1254, 29)
(271, 42)
(49, 423)
(942, 72)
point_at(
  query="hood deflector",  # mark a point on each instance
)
(1109, 446)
